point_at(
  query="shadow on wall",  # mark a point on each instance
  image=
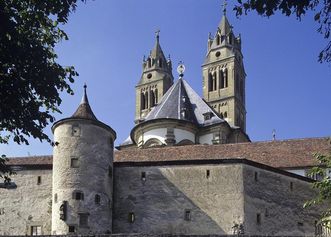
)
(174, 200)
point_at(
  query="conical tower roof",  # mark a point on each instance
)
(84, 110)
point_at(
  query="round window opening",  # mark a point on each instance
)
(149, 75)
(218, 53)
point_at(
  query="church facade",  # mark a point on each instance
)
(188, 166)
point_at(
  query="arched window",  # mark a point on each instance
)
(221, 115)
(152, 99)
(230, 38)
(214, 81)
(225, 75)
(149, 62)
(185, 142)
(146, 100)
(222, 81)
(156, 96)
(225, 114)
(142, 100)
(218, 39)
(210, 82)
(97, 199)
(152, 143)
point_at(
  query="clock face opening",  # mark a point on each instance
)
(218, 53)
(149, 75)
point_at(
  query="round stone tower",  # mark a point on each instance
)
(82, 173)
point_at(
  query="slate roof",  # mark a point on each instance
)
(180, 99)
(288, 154)
(84, 110)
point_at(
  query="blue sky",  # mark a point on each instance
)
(286, 88)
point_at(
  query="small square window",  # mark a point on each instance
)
(72, 229)
(35, 230)
(78, 195)
(187, 216)
(131, 217)
(83, 219)
(74, 162)
(75, 131)
(39, 180)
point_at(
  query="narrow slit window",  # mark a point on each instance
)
(256, 176)
(39, 180)
(291, 186)
(258, 218)
(143, 176)
(207, 174)
(131, 217)
(55, 198)
(97, 199)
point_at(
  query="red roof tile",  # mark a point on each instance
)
(279, 154)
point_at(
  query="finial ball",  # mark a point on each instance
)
(181, 68)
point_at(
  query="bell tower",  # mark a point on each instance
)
(155, 80)
(224, 75)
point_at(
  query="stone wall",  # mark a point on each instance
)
(91, 176)
(204, 199)
(278, 200)
(26, 203)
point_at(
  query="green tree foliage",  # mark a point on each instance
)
(322, 185)
(298, 8)
(30, 77)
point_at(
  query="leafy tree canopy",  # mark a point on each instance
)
(323, 186)
(30, 77)
(298, 8)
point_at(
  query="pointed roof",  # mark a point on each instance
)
(157, 50)
(84, 109)
(183, 103)
(224, 26)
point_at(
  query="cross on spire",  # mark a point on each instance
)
(157, 33)
(224, 6)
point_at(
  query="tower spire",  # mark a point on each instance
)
(224, 7)
(157, 35)
(84, 98)
(84, 109)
